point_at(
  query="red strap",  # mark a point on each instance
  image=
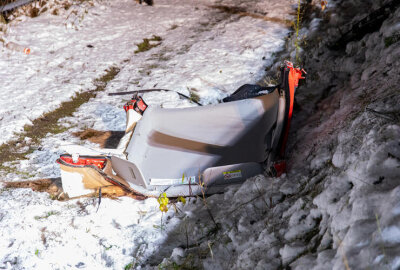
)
(295, 74)
(84, 161)
(128, 106)
(136, 104)
(141, 105)
(279, 168)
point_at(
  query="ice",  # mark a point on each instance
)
(391, 234)
(396, 263)
(289, 253)
(339, 158)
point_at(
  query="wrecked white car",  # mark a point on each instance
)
(190, 151)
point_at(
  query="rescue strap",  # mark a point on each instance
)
(137, 104)
(278, 168)
(293, 77)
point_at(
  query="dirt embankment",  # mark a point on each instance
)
(344, 149)
(338, 205)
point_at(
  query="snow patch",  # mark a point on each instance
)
(391, 234)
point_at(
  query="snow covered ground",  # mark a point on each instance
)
(202, 49)
(336, 208)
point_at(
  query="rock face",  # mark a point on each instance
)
(355, 132)
(338, 207)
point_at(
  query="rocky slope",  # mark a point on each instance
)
(338, 207)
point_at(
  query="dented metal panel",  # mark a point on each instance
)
(172, 143)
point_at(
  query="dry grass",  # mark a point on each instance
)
(53, 187)
(33, 12)
(174, 26)
(49, 185)
(66, 5)
(55, 12)
(106, 139)
(243, 13)
(194, 96)
(48, 123)
(2, 19)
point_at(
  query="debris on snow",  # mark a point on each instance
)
(338, 204)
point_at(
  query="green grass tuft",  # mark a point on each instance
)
(147, 45)
(47, 215)
(392, 39)
(193, 95)
(129, 266)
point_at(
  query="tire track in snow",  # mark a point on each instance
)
(164, 55)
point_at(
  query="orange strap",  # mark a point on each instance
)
(295, 74)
